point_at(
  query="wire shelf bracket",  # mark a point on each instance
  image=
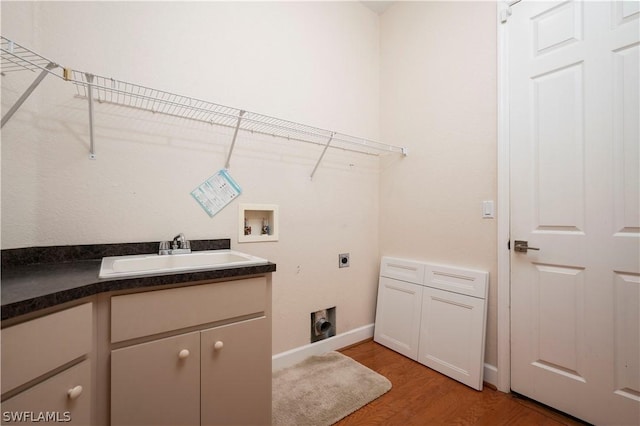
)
(108, 90)
(92, 149)
(25, 95)
(17, 58)
(233, 142)
(324, 151)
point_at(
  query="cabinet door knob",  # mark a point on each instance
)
(183, 354)
(74, 392)
(218, 345)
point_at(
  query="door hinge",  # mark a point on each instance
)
(504, 14)
(509, 245)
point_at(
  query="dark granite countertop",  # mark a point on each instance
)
(41, 277)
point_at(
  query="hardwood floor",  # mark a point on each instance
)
(421, 396)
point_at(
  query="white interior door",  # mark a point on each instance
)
(574, 137)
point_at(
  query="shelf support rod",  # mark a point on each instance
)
(324, 151)
(27, 92)
(92, 151)
(233, 141)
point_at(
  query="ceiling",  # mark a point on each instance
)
(377, 6)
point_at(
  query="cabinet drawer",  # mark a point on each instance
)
(402, 269)
(51, 398)
(458, 280)
(35, 347)
(152, 312)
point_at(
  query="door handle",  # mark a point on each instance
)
(523, 246)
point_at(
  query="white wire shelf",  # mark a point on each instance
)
(108, 90)
(18, 58)
(136, 96)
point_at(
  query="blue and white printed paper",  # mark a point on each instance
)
(216, 192)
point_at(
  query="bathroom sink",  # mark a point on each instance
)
(154, 264)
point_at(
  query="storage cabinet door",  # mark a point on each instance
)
(452, 335)
(236, 374)
(157, 383)
(64, 398)
(398, 316)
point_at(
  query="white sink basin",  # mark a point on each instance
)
(153, 264)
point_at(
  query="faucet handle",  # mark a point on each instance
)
(164, 247)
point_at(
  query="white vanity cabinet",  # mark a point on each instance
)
(192, 355)
(47, 370)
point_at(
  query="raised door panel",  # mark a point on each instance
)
(452, 335)
(626, 134)
(558, 145)
(64, 398)
(627, 323)
(157, 383)
(236, 374)
(398, 316)
(558, 331)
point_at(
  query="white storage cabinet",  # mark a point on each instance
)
(435, 315)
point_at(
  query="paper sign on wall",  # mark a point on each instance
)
(216, 192)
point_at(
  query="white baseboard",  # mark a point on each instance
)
(490, 374)
(296, 355)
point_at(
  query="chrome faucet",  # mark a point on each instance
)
(179, 245)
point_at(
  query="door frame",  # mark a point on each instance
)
(503, 11)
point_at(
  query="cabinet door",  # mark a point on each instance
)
(236, 374)
(157, 383)
(452, 335)
(398, 316)
(64, 398)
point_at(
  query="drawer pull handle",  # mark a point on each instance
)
(183, 354)
(74, 392)
(218, 345)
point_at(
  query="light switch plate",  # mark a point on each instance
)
(488, 210)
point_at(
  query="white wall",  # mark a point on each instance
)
(421, 75)
(316, 63)
(438, 97)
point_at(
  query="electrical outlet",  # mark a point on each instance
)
(343, 260)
